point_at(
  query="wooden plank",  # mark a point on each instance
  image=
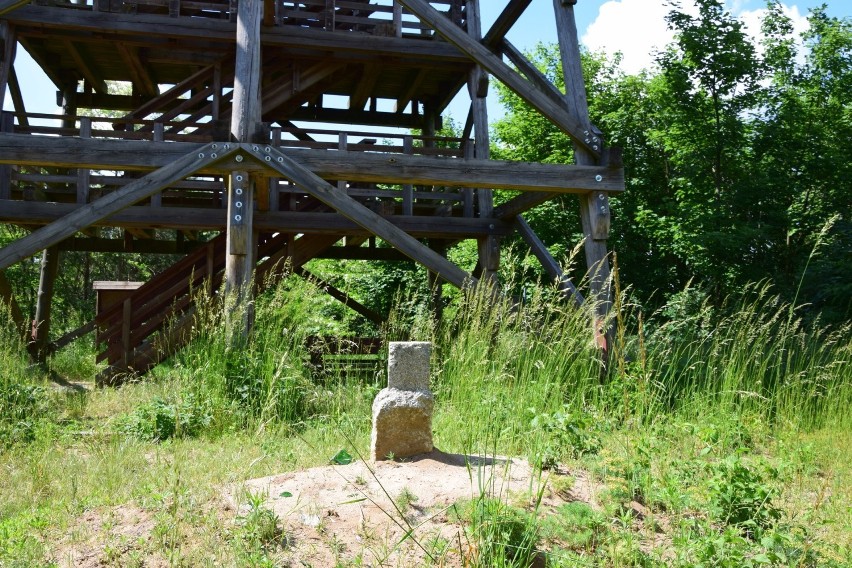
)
(359, 214)
(365, 86)
(89, 214)
(566, 122)
(547, 261)
(531, 72)
(7, 6)
(29, 212)
(83, 174)
(51, 151)
(345, 46)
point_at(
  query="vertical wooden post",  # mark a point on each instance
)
(83, 175)
(7, 124)
(488, 247)
(159, 135)
(594, 207)
(397, 19)
(8, 47)
(126, 348)
(342, 145)
(245, 127)
(41, 324)
(407, 189)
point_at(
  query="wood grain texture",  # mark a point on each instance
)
(566, 122)
(50, 151)
(87, 215)
(359, 214)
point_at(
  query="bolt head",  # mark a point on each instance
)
(214, 155)
(239, 158)
(238, 218)
(201, 155)
(239, 177)
(268, 149)
(238, 191)
(238, 204)
(598, 178)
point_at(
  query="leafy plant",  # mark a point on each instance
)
(566, 432)
(159, 420)
(741, 496)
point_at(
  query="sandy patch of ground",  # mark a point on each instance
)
(116, 536)
(339, 514)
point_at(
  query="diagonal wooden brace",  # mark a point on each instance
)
(285, 166)
(528, 91)
(114, 202)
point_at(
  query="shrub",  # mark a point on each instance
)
(159, 420)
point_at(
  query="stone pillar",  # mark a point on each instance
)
(402, 413)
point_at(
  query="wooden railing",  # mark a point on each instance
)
(377, 17)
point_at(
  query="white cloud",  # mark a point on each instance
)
(637, 28)
(752, 20)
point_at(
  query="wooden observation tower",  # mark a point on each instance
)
(266, 121)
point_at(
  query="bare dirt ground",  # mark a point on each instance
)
(391, 513)
(360, 513)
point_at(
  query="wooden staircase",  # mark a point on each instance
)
(154, 321)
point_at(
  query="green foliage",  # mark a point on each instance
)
(158, 420)
(735, 161)
(500, 535)
(741, 496)
(569, 433)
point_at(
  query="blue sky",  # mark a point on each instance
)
(634, 27)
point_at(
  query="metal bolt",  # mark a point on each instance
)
(238, 158)
(596, 139)
(200, 155)
(239, 177)
(586, 133)
(238, 204)
(588, 141)
(598, 178)
(214, 155)
(268, 149)
(255, 148)
(214, 146)
(595, 147)
(603, 209)
(280, 160)
(268, 158)
(491, 226)
(238, 191)
(238, 218)
(601, 196)
(227, 146)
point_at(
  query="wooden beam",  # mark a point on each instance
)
(488, 248)
(144, 217)
(17, 98)
(159, 103)
(365, 87)
(7, 6)
(85, 68)
(341, 296)
(53, 151)
(141, 78)
(8, 48)
(594, 206)
(531, 72)
(412, 90)
(566, 122)
(547, 261)
(351, 209)
(345, 46)
(245, 127)
(507, 18)
(114, 202)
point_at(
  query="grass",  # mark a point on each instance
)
(719, 435)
